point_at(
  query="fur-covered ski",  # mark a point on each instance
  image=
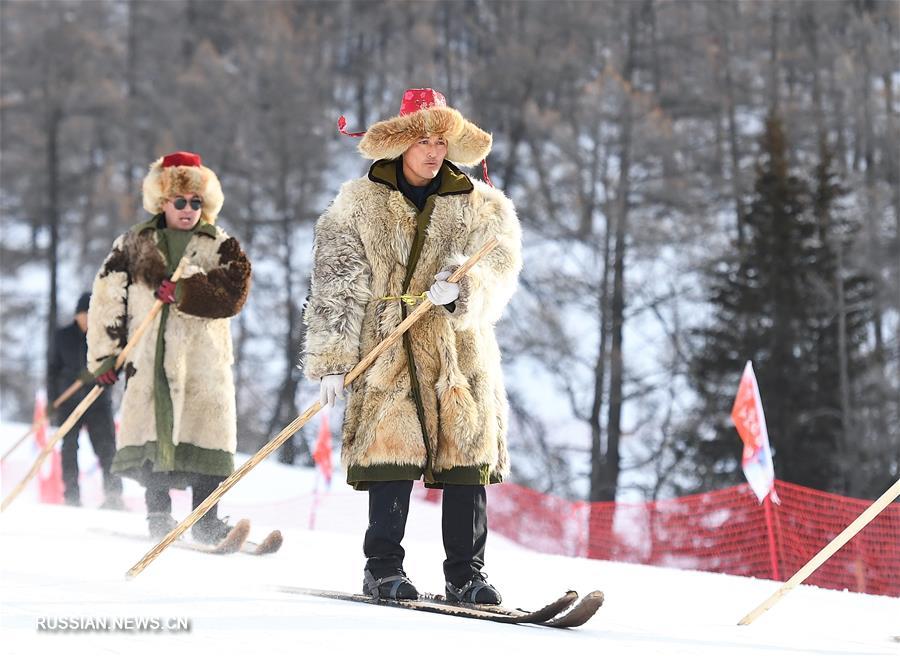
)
(231, 543)
(235, 541)
(559, 614)
(270, 544)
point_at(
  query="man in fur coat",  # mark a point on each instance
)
(178, 424)
(433, 406)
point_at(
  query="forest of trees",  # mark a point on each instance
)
(700, 184)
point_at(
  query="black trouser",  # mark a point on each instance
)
(464, 527)
(157, 497)
(102, 433)
(463, 524)
(388, 509)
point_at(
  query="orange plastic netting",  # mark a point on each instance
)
(723, 531)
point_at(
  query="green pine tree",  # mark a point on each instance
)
(767, 307)
(842, 310)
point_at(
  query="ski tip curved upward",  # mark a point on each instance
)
(235, 538)
(580, 613)
(270, 544)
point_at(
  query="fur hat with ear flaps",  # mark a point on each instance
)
(425, 112)
(182, 173)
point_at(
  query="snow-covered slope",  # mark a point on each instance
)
(57, 563)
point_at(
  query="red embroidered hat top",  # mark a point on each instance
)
(181, 158)
(416, 99)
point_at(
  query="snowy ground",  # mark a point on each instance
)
(57, 565)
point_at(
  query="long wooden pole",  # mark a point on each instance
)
(86, 402)
(816, 561)
(295, 425)
(62, 398)
(34, 426)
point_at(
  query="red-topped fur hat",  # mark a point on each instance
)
(424, 112)
(182, 173)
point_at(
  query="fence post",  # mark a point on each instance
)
(773, 556)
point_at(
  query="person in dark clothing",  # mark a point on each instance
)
(69, 353)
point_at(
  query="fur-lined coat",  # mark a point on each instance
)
(193, 358)
(362, 246)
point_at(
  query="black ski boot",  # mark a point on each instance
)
(476, 591)
(394, 586)
(210, 530)
(160, 524)
(113, 501)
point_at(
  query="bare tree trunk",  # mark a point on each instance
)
(774, 64)
(188, 44)
(89, 177)
(736, 187)
(286, 407)
(611, 461)
(544, 185)
(130, 85)
(650, 11)
(52, 162)
(868, 150)
(849, 456)
(605, 469)
(362, 106)
(812, 35)
(240, 346)
(837, 94)
(874, 239)
(597, 450)
(449, 34)
(610, 470)
(589, 195)
(893, 165)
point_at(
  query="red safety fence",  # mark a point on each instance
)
(723, 531)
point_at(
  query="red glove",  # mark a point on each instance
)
(166, 291)
(107, 379)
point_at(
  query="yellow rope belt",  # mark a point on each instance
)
(409, 299)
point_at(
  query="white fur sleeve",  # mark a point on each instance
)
(108, 316)
(487, 287)
(340, 289)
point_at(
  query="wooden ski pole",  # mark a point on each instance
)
(86, 402)
(62, 398)
(34, 426)
(816, 561)
(295, 425)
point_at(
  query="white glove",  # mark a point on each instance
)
(331, 388)
(443, 292)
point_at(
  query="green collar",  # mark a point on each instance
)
(158, 222)
(453, 181)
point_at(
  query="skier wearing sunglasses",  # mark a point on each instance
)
(178, 425)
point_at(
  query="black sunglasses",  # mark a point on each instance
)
(181, 203)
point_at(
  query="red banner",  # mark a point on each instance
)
(750, 421)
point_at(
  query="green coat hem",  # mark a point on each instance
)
(361, 477)
(129, 460)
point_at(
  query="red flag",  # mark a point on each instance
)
(50, 473)
(747, 415)
(322, 452)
